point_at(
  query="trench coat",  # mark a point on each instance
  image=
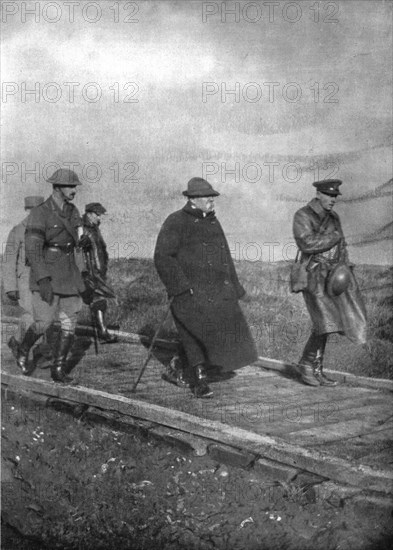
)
(320, 238)
(16, 274)
(51, 238)
(192, 254)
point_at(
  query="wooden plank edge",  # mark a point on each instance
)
(343, 377)
(317, 462)
(268, 473)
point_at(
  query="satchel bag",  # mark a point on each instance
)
(299, 274)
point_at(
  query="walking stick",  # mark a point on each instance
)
(150, 351)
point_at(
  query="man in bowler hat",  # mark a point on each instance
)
(193, 260)
(332, 297)
(52, 233)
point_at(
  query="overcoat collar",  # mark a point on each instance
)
(197, 212)
(315, 205)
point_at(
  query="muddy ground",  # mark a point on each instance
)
(69, 483)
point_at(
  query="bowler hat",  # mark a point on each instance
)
(198, 187)
(33, 201)
(328, 187)
(95, 207)
(64, 177)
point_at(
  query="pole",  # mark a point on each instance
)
(150, 351)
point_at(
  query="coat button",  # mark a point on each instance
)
(226, 282)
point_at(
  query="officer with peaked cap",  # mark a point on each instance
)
(193, 260)
(52, 232)
(16, 273)
(331, 294)
(96, 257)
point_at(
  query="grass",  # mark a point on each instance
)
(279, 320)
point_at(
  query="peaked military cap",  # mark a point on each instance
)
(198, 187)
(65, 178)
(95, 207)
(328, 187)
(33, 201)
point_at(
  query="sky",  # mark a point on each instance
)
(259, 98)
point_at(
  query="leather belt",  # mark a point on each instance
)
(67, 248)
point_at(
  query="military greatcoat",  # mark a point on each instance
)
(51, 237)
(192, 253)
(320, 238)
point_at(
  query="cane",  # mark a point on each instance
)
(150, 352)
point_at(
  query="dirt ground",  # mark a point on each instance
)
(68, 483)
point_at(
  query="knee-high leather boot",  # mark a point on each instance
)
(306, 364)
(318, 362)
(21, 351)
(63, 346)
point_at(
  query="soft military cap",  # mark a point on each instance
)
(95, 207)
(33, 201)
(65, 178)
(328, 187)
(198, 187)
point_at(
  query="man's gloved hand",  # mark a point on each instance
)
(246, 298)
(46, 290)
(84, 243)
(13, 295)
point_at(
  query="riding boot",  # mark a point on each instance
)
(63, 346)
(21, 351)
(103, 333)
(199, 385)
(306, 364)
(319, 374)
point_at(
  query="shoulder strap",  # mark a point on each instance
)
(67, 225)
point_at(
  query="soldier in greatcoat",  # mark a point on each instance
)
(96, 258)
(52, 233)
(332, 297)
(16, 274)
(193, 260)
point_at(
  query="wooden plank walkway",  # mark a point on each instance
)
(343, 433)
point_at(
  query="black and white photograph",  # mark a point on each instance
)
(196, 275)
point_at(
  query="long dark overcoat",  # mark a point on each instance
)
(192, 253)
(320, 238)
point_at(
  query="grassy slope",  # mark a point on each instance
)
(279, 319)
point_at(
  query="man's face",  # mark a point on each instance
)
(327, 201)
(206, 204)
(94, 218)
(68, 192)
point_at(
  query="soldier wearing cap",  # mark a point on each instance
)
(331, 295)
(52, 232)
(16, 273)
(193, 260)
(96, 257)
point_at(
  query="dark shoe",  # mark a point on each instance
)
(201, 389)
(174, 373)
(323, 379)
(307, 375)
(63, 346)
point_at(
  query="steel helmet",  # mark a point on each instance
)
(338, 280)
